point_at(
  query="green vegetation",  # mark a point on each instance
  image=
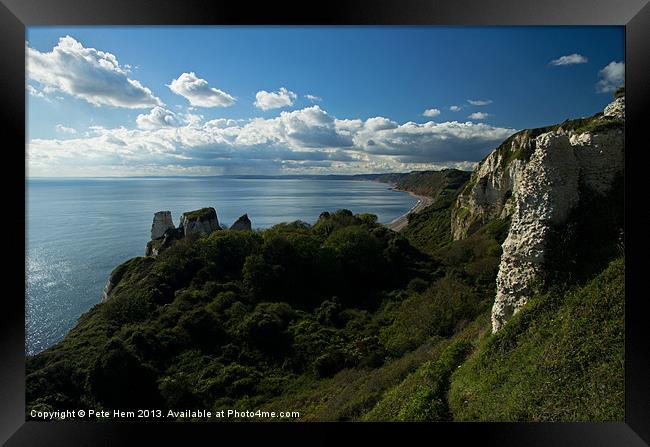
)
(346, 320)
(430, 229)
(508, 151)
(213, 319)
(433, 183)
(595, 124)
(202, 213)
(559, 359)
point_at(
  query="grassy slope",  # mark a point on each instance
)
(433, 183)
(430, 229)
(560, 358)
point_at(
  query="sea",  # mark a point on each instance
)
(79, 230)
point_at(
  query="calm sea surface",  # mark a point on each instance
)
(78, 230)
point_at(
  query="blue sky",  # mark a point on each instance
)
(216, 100)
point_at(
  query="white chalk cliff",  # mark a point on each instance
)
(535, 178)
(203, 221)
(162, 221)
(163, 232)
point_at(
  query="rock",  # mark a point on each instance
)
(203, 221)
(156, 246)
(535, 178)
(548, 188)
(488, 194)
(616, 108)
(163, 232)
(242, 224)
(153, 247)
(108, 288)
(162, 220)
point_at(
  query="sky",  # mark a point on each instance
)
(158, 101)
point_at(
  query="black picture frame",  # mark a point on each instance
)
(15, 15)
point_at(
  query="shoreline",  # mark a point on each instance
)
(399, 223)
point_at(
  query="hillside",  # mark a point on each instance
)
(503, 300)
(424, 183)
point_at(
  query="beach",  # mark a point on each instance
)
(401, 222)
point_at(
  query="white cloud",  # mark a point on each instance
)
(431, 112)
(273, 100)
(199, 93)
(304, 140)
(455, 108)
(158, 117)
(62, 128)
(313, 98)
(478, 116)
(570, 59)
(34, 92)
(87, 73)
(611, 77)
(379, 123)
(430, 142)
(479, 102)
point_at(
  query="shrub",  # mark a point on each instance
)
(118, 379)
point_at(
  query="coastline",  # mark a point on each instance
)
(401, 222)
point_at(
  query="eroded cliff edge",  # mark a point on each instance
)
(537, 178)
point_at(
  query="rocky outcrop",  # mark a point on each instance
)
(163, 232)
(242, 224)
(162, 221)
(489, 192)
(154, 247)
(535, 178)
(203, 221)
(576, 156)
(109, 286)
(616, 108)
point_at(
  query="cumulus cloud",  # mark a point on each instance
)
(431, 112)
(274, 100)
(570, 59)
(478, 116)
(479, 102)
(612, 76)
(430, 142)
(455, 108)
(87, 73)
(313, 98)
(304, 140)
(198, 92)
(158, 117)
(62, 128)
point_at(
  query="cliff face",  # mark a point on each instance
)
(203, 221)
(488, 195)
(163, 232)
(162, 221)
(536, 178)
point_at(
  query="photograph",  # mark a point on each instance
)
(325, 223)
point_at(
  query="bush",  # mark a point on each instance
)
(266, 327)
(203, 328)
(118, 379)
